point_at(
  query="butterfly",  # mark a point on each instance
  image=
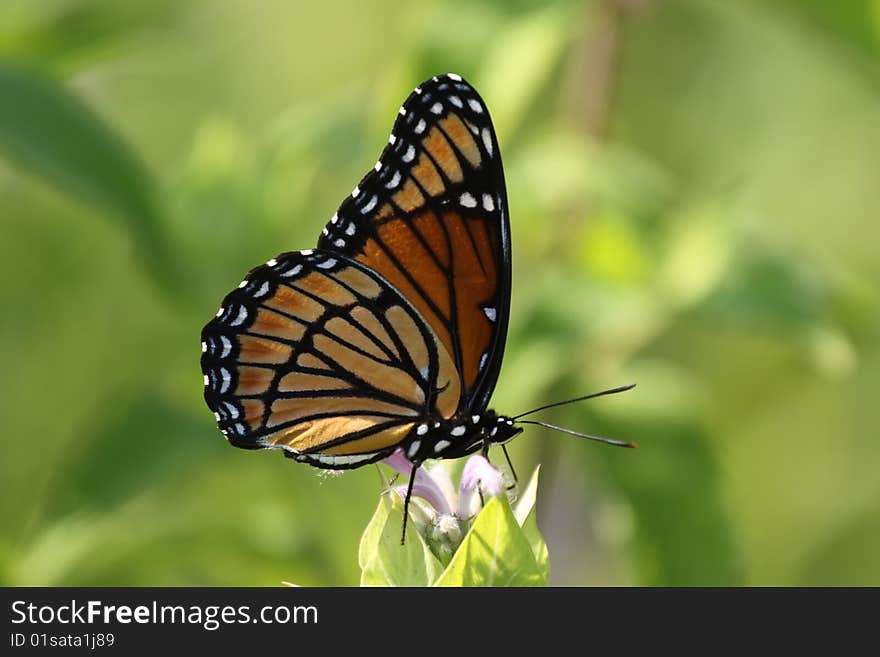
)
(390, 334)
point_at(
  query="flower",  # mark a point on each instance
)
(447, 512)
(430, 488)
(478, 476)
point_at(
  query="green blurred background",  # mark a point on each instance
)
(694, 190)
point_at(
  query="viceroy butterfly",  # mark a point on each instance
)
(390, 333)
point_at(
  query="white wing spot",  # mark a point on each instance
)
(242, 315)
(227, 346)
(410, 154)
(490, 313)
(293, 271)
(475, 105)
(420, 126)
(413, 448)
(264, 288)
(204, 347)
(350, 229)
(458, 431)
(243, 283)
(487, 141)
(369, 206)
(395, 179)
(422, 429)
(488, 203)
(483, 360)
(227, 379)
(338, 459)
(307, 252)
(219, 312)
(441, 445)
(272, 262)
(454, 76)
(455, 100)
(418, 90)
(207, 381)
(436, 108)
(334, 218)
(340, 242)
(392, 139)
(327, 264)
(467, 200)
(377, 166)
(402, 111)
(475, 418)
(355, 191)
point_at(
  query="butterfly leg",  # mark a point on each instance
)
(409, 489)
(510, 465)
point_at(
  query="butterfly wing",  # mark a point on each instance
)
(431, 218)
(317, 355)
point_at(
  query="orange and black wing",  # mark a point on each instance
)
(317, 355)
(431, 219)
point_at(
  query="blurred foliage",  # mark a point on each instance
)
(693, 192)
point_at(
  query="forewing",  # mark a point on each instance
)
(431, 218)
(317, 355)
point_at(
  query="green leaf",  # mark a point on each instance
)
(47, 131)
(526, 516)
(384, 561)
(495, 552)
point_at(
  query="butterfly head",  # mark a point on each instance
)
(501, 429)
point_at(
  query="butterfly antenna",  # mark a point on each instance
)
(601, 439)
(611, 391)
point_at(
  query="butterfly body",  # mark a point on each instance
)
(458, 436)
